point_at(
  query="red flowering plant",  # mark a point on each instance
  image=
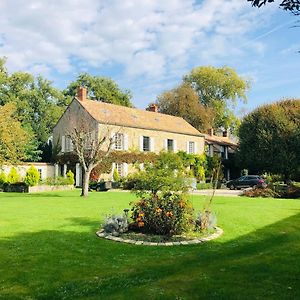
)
(163, 207)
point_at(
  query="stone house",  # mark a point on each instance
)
(225, 148)
(131, 128)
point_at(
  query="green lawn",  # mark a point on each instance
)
(49, 250)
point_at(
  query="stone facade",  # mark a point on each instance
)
(131, 135)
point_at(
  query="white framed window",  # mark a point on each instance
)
(120, 169)
(191, 147)
(119, 141)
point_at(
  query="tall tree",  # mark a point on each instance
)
(270, 139)
(183, 101)
(100, 89)
(15, 141)
(219, 89)
(38, 104)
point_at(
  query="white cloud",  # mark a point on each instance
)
(150, 38)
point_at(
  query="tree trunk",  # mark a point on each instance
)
(85, 184)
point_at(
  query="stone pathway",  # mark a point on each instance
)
(213, 236)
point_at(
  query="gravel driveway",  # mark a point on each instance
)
(220, 192)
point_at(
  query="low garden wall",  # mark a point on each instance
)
(48, 188)
(23, 188)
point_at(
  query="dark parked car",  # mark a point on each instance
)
(246, 181)
(101, 186)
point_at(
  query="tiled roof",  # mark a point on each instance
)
(112, 114)
(214, 139)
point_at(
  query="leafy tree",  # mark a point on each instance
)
(32, 176)
(13, 176)
(288, 5)
(219, 89)
(15, 141)
(38, 104)
(101, 89)
(183, 101)
(270, 139)
(90, 149)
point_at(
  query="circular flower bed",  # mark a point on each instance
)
(124, 239)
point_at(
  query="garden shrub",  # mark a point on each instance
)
(13, 176)
(3, 178)
(70, 177)
(204, 186)
(163, 207)
(59, 180)
(32, 176)
(115, 224)
(116, 176)
(205, 220)
(168, 213)
(261, 192)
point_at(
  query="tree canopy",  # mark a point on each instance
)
(100, 89)
(288, 5)
(270, 139)
(219, 89)
(38, 104)
(183, 101)
(15, 141)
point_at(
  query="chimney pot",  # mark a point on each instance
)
(153, 107)
(211, 131)
(81, 93)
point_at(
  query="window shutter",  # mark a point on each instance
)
(196, 147)
(175, 145)
(166, 144)
(112, 136)
(152, 145)
(141, 143)
(63, 143)
(125, 145)
(125, 169)
(187, 147)
(71, 145)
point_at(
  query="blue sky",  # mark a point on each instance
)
(147, 46)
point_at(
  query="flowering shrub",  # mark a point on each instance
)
(167, 213)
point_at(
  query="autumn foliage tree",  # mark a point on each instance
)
(183, 101)
(270, 139)
(15, 141)
(219, 89)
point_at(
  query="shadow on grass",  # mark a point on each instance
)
(264, 264)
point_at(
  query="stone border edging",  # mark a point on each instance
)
(213, 236)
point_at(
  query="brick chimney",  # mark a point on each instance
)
(153, 107)
(225, 133)
(210, 131)
(81, 93)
